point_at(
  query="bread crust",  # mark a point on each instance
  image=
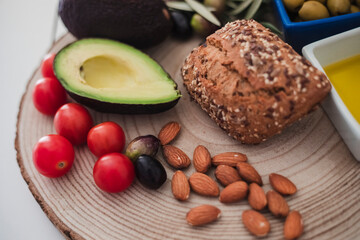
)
(251, 83)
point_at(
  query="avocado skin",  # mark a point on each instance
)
(136, 22)
(120, 108)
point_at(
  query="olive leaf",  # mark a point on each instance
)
(253, 9)
(203, 11)
(271, 27)
(231, 4)
(241, 7)
(183, 6)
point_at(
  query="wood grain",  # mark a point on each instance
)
(310, 153)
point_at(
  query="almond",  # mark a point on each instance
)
(202, 159)
(180, 186)
(176, 157)
(293, 227)
(202, 215)
(256, 223)
(203, 185)
(234, 192)
(226, 174)
(229, 158)
(249, 173)
(282, 184)
(169, 132)
(277, 204)
(257, 198)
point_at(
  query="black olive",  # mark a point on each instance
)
(181, 26)
(150, 172)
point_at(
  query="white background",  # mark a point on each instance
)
(25, 36)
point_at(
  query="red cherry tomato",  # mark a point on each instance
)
(73, 122)
(107, 137)
(113, 172)
(47, 66)
(53, 156)
(48, 95)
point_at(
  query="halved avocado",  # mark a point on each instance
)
(113, 77)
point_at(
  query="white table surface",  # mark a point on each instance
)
(25, 36)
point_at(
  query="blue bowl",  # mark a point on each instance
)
(299, 34)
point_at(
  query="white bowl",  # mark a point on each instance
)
(328, 51)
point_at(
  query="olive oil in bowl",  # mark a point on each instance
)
(345, 77)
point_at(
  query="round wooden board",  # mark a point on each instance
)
(310, 153)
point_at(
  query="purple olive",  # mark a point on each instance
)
(147, 145)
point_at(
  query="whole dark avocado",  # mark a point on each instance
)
(136, 22)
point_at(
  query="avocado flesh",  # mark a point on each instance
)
(111, 72)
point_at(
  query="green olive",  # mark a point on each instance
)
(354, 9)
(293, 5)
(219, 5)
(312, 10)
(337, 7)
(201, 26)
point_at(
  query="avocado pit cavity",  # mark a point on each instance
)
(107, 72)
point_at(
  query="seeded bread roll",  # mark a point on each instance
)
(252, 83)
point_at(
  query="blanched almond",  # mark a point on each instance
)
(256, 223)
(249, 173)
(180, 186)
(234, 192)
(169, 132)
(226, 174)
(203, 185)
(293, 227)
(229, 158)
(176, 157)
(201, 159)
(277, 204)
(203, 214)
(257, 198)
(282, 184)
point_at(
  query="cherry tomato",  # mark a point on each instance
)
(113, 172)
(73, 122)
(48, 95)
(107, 137)
(47, 66)
(53, 156)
